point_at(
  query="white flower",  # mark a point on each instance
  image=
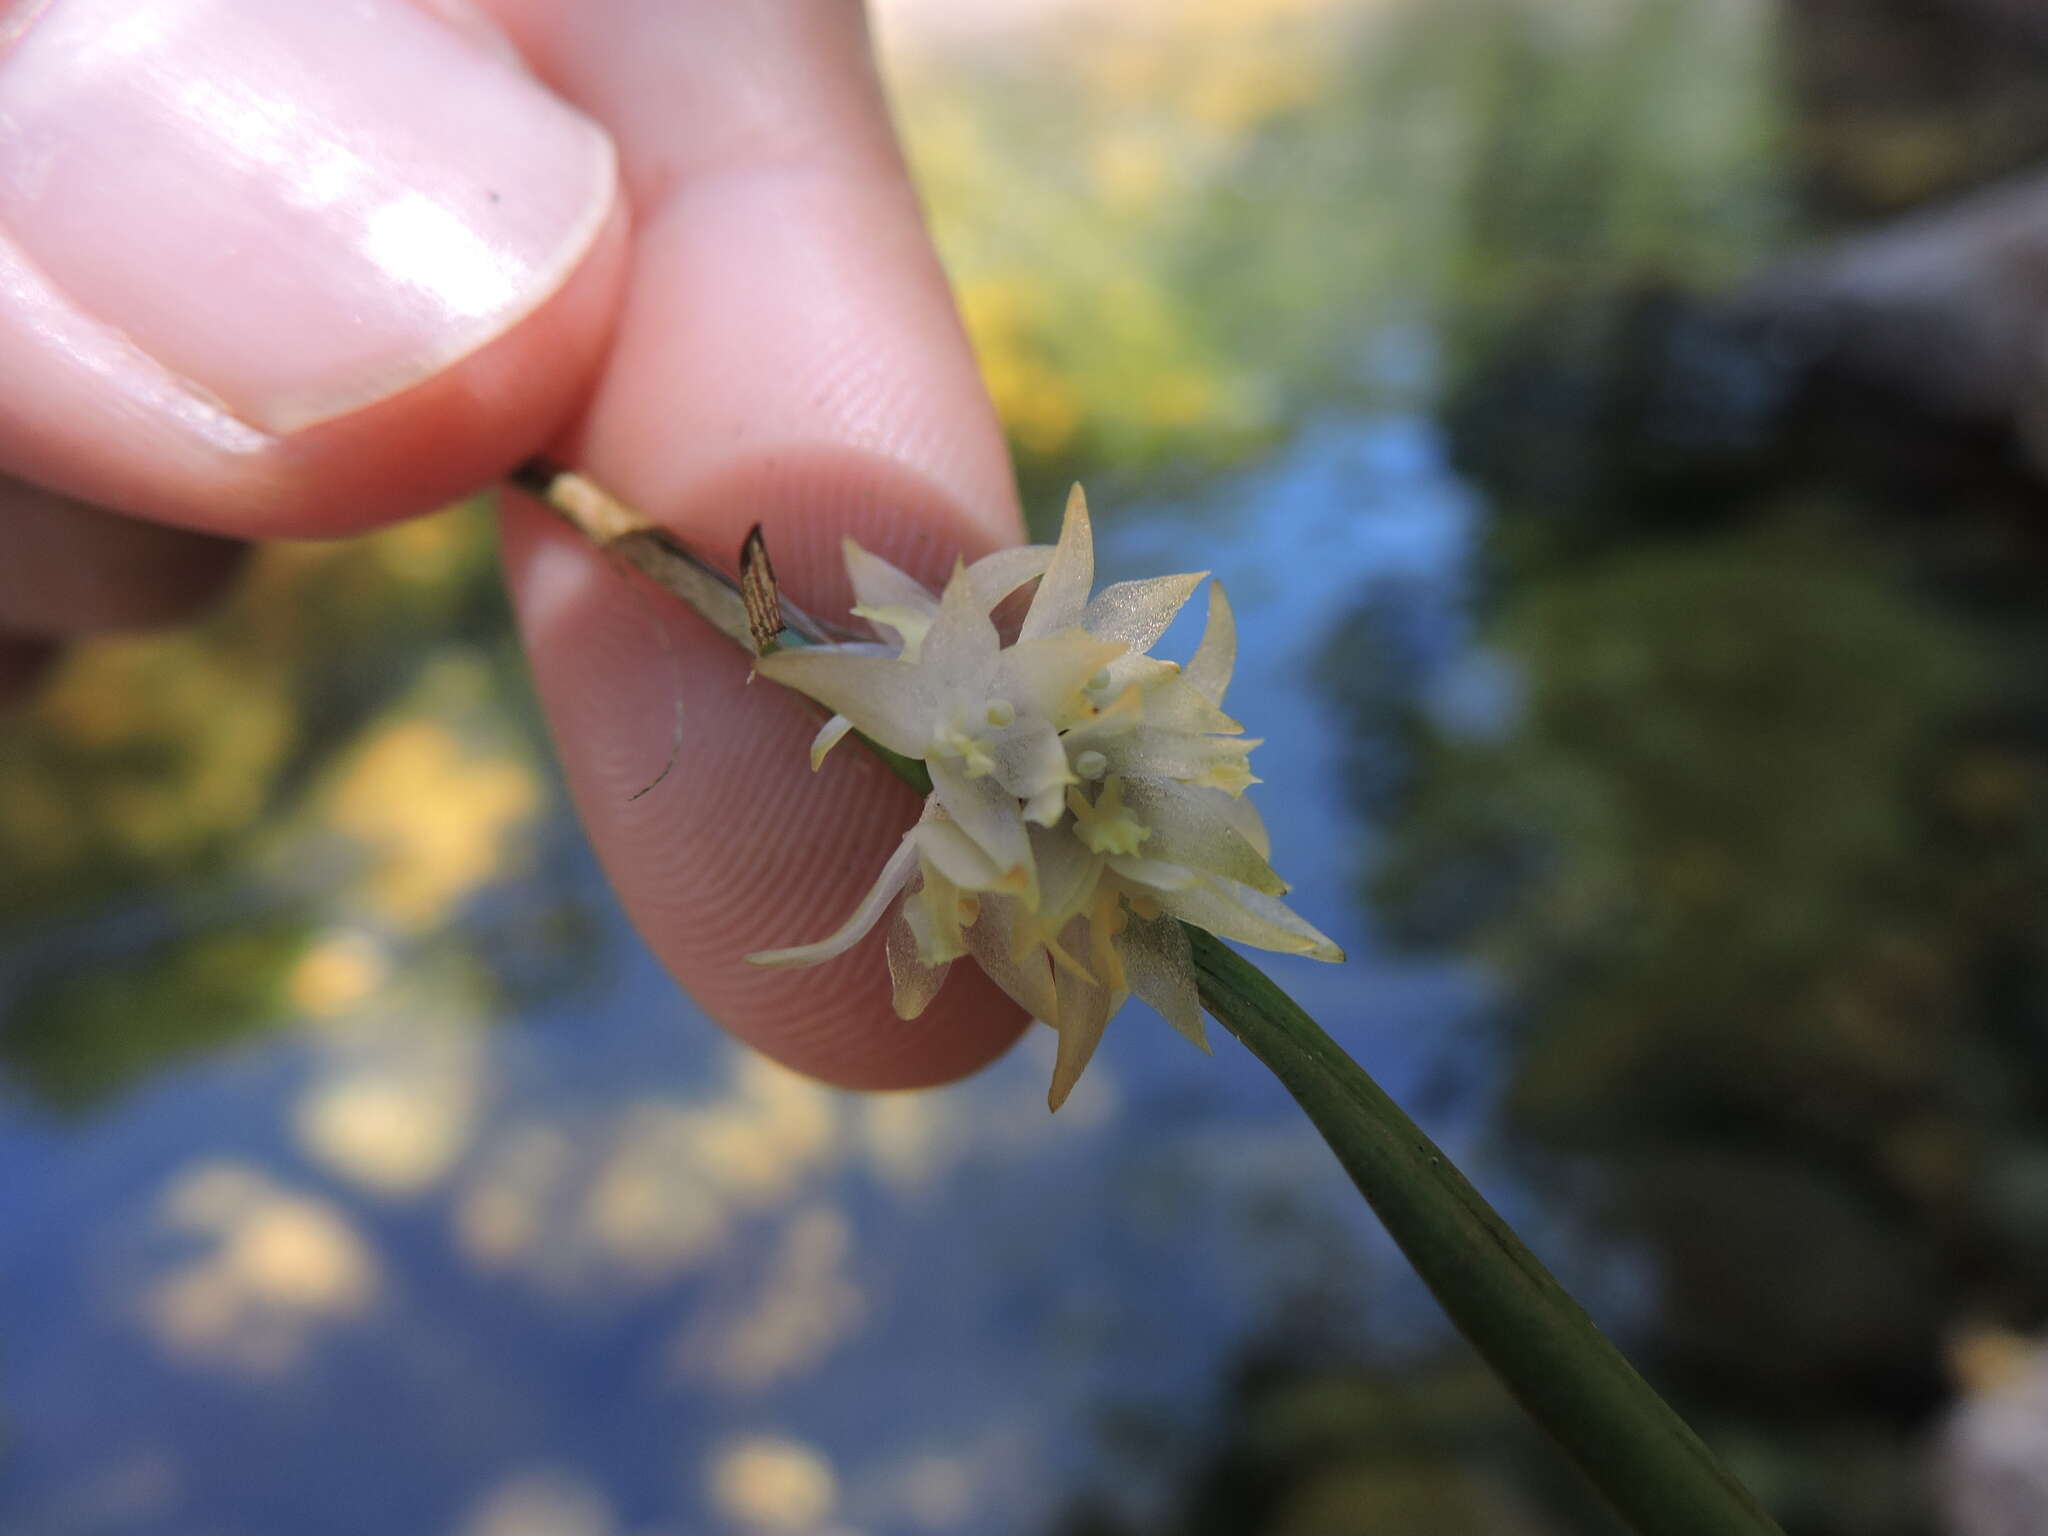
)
(900, 605)
(1087, 798)
(979, 714)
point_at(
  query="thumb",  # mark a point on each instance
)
(287, 269)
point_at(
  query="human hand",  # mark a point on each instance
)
(285, 270)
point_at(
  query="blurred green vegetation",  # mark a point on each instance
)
(1757, 840)
(162, 757)
(1762, 855)
(1757, 844)
(187, 819)
(74, 1037)
(1176, 231)
(1901, 102)
(1311, 1443)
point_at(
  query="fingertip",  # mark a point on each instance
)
(462, 429)
(740, 846)
(789, 354)
(784, 314)
(854, 1040)
(403, 288)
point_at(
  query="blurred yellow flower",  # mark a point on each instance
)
(435, 818)
(337, 971)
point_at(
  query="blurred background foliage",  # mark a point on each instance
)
(1270, 185)
(1734, 791)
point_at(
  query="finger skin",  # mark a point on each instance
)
(785, 351)
(71, 569)
(24, 663)
(270, 216)
(89, 419)
(740, 847)
(788, 354)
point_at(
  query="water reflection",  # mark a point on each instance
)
(266, 1272)
(772, 1484)
(631, 1194)
(540, 1504)
(599, 1268)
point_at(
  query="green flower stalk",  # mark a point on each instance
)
(1086, 836)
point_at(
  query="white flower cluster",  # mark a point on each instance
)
(1087, 798)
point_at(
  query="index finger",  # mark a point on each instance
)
(789, 354)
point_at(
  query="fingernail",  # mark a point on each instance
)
(299, 208)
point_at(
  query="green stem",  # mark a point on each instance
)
(1628, 1441)
(1634, 1449)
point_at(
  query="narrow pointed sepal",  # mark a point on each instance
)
(1137, 613)
(830, 734)
(914, 982)
(1233, 911)
(1062, 595)
(887, 887)
(1085, 1007)
(1208, 670)
(1162, 973)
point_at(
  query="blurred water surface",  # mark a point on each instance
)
(1674, 791)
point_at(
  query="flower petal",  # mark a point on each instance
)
(1134, 669)
(1105, 921)
(1045, 808)
(989, 815)
(1162, 972)
(1067, 876)
(1172, 705)
(1209, 669)
(1233, 911)
(1136, 613)
(884, 595)
(881, 695)
(888, 885)
(878, 584)
(959, 650)
(915, 982)
(1156, 874)
(1244, 817)
(1045, 676)
(1217, 760)
(1032, 765)
(993, 943)
(954, 855)
(996, 576)
(1085, 1007)
(908, 624)
(1189, 827)
(1062, 595)
(931, 908)
(1120, 718)
(830, 734)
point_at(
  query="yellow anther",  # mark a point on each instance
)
(972, 750)
(1105, 827)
